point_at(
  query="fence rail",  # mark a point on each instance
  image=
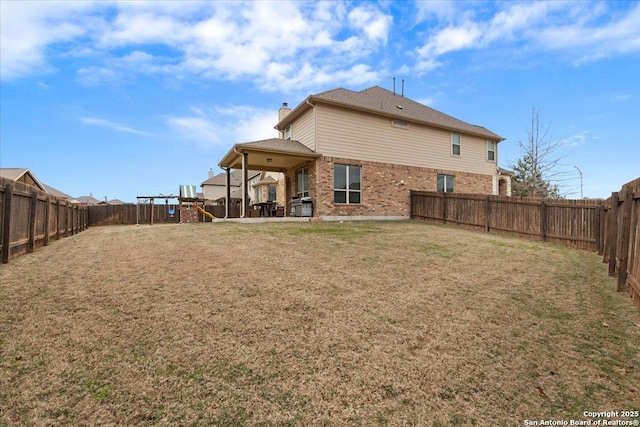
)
(574, 223)
(621, 238)
(30, 218)
(141, 214)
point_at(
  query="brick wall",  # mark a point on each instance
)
(385, 187)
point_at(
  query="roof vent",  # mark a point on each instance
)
(399, 107)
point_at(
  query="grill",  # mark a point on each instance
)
(301, 206)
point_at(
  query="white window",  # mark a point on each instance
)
(346, 184)
(446, 183)
(302, 182)
(455, 144)
(287, 132)
(491, 151)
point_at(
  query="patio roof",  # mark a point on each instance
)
(274, 154)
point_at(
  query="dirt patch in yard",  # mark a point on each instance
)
(374, 323)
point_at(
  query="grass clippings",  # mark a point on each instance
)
(373, 323)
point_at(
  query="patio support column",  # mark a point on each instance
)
(227, 193)
(245, 177)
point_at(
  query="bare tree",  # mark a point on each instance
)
(538, 172)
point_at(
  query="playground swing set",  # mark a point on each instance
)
(189, 206)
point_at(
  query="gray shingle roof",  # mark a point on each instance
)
(288, 145)
(381, 101)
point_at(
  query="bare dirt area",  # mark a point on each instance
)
(372, 323)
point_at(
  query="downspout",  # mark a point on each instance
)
(315, 127)
(315, 144)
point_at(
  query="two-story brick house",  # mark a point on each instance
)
(359, 153)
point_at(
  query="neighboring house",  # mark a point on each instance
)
(359, 153)
(86, 201)
(214, 188)
(25, 176)
(112, 202)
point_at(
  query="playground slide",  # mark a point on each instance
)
(205, 213)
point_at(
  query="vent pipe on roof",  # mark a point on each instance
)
(403, 88)
(394, 85)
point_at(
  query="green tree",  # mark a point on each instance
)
(538, 169)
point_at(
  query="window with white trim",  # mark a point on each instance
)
(446, 183)
(455, 144)
(287, 132)
(271, 193)
(347, 184)
(491, 151)
(302, 182)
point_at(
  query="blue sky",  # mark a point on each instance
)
(119, 99)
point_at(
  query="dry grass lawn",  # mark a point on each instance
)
(374, 323)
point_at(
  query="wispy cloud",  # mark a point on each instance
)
(578, 139)
(119, 127)
(579, 32)
(224, 126)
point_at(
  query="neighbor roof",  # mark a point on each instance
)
(16, 174)
(236, 178)
(384, 102)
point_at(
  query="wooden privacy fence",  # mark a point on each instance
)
(30, 218)
(621, 238)
(134, 214)
(574, 223)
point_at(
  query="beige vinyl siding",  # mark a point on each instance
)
(352, 134)
(302, 129)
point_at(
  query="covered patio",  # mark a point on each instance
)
(274, 155)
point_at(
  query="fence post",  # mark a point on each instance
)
(6, 223)
(410, 204)
(596, 231)
(444, 207)
(72, 212)
(487, 213)
(543, 220)
(58, 219)
(625, 231)
(613, 233)
(47, 218)
(32, 221)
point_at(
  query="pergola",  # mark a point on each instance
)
(151, 199)
(275, 155)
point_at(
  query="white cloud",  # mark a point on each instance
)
(27, 28)
(578, 139)
(440, 10)
(579, 31)
(271, 42)
(371, 21)
(224, 126)
(113, 125)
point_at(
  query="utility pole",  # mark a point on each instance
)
(580, 172)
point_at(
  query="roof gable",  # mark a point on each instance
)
(22, 175)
